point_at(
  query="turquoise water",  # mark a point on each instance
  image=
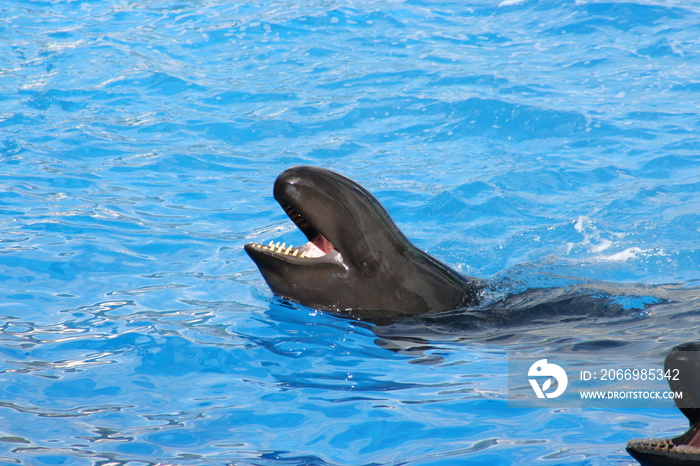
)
(517, 141)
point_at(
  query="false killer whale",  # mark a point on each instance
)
(683, 450)
(356, 261)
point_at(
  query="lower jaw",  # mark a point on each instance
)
(657, 446)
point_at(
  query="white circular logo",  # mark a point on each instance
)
(542, 368)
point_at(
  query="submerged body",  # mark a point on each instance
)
(683, 450)
(356, 261)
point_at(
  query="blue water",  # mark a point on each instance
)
(520, 141)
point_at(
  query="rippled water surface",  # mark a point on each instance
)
(524, 142)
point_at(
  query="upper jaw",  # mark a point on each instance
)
(318, 248)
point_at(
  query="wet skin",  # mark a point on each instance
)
(356, 261)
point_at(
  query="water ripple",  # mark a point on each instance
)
(540, 144)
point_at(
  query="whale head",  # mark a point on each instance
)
(682, 368)
(356, 260)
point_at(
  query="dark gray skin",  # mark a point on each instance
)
(683, 450)
(366, 267)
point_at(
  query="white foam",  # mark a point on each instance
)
(510, 2)
(627, 254)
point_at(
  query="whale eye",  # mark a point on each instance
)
(368, 265)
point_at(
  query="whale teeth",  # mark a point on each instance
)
(278, 248)
(687, 449)
(282, 248)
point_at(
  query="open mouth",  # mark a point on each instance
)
(317, 246)
(685, 448)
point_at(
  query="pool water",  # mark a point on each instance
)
(528, 143)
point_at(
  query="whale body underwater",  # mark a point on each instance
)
(356, 261)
